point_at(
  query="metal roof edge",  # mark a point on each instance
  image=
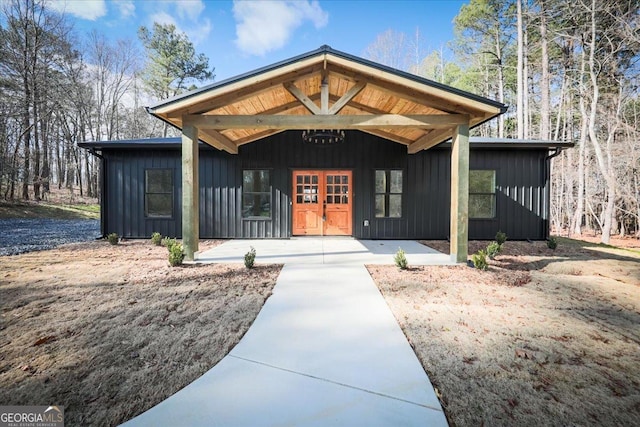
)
(474, 141)
(131, 143)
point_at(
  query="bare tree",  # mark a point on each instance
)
(391, 48)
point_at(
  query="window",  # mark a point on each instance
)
(388, 196)
(482, 194)
(158, 193)
(256, 194)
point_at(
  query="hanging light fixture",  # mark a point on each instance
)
(323, 138)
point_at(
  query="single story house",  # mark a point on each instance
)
(326, 143)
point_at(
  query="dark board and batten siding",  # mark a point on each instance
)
(521, 196)
(124, 187)
(521, 181)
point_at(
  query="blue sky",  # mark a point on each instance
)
(240, 36)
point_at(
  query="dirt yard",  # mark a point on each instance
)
(109, 331)
(542, 338)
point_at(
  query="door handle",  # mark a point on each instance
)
(324, 210)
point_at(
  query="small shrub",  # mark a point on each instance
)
(480, 260)
(552, 243)
(113, 238)
(250, 258)
(168, 242)
(493, 249)
(400, 259)
(156, 238)
(176, 254)
(501, 238)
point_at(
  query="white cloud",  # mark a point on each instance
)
(184, 13)
(164, 18)
(88, 9)
(189, 9)
(126, 8)
(202, 32)
(262, 26)
(198, 34)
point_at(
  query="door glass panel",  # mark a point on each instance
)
(307, 193)
(345, 179)
(329, 179)
(314, 179)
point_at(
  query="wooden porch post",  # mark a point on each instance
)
(459, 232)
(190, 191)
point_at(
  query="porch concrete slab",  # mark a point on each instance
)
(325, 350)
(324, 250)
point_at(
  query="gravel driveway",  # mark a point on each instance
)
(26, 235)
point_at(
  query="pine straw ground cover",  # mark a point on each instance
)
(109, 331)
(542, 338)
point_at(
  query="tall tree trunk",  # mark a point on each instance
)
(78, 169)
(46, 172)
(545, 99)
(59, 149)
(26, 118)
(14, 169)
(636, 187)
(36, 143)
(519, 74)
(88, 174)
(500, 85)
(525, 84)
(579, 213)
(607, 221)
(560, 114)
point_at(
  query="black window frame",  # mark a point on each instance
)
(170, 192)
(387, 193)
(493, 195)
(257, 193)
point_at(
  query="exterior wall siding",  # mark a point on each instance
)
(521, 183)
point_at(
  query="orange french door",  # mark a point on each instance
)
(322, 203)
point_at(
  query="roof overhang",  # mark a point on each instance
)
(475, 142)
(326, 89)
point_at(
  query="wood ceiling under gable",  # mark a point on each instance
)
(359, 95)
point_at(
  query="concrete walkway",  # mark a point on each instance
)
(325, 350)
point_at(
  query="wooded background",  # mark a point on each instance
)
(568, 69)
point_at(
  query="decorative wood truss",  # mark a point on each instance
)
(326, 89)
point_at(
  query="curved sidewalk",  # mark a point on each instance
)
(325, 350)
